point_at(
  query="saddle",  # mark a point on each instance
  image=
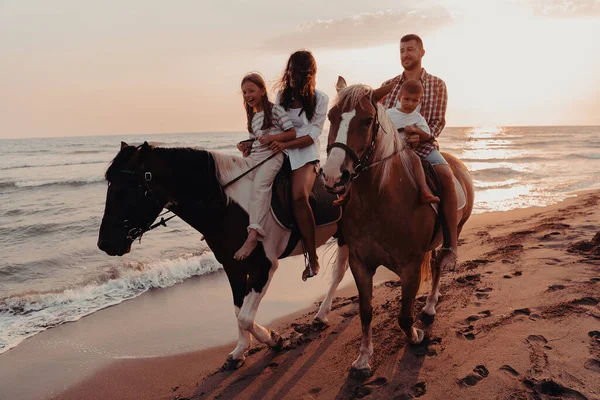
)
(281, 205)
(434, 183)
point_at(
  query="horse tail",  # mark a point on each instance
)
(425, 269)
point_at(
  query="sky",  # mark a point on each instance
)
(81, 67)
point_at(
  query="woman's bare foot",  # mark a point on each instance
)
(248, 246)
(312, 269)
(428, 198)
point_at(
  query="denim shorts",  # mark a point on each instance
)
(436, 158)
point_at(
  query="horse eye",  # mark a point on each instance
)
(369, 121)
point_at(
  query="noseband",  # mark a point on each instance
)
(360, 164)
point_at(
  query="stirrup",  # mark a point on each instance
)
(450, 249)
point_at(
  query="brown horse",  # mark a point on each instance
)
(383, 222)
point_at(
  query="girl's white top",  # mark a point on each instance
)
(301, 156)
(281, 123)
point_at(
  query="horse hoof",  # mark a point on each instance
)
(360, 374)
(320, 323)
(426, 318)
(232, 364)
(420, 337)
(277, 341)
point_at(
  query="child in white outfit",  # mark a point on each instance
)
(407, 119)
(267, 122)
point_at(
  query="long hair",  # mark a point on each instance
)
(302, 68)
(258, 80)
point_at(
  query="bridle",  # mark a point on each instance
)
(362, 164)
(144, 178)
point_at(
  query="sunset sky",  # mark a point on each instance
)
(76, 67)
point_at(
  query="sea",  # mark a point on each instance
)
(52, 194)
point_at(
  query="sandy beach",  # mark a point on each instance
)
(518, 320)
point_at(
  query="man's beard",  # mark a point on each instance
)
(411, 65)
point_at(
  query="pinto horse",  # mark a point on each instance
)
(383, 222)
(143, 180)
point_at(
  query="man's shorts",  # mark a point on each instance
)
(436, 158)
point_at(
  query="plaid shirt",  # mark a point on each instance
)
(433, 108)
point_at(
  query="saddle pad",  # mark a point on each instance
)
(320, 201)
(460, 197)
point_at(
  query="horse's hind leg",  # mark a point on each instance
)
(246, 319)
(411, 280)
(339, 271)
(364, 282)
(428, 312)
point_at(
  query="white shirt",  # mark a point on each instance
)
(402, 119)
(300, 156)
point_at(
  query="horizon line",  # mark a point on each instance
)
(230, 131)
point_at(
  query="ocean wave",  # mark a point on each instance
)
(588, 156)
(516, 160)
(58, 182)
(20, 166)
(490, 174)
(25, 315)
(86, 151)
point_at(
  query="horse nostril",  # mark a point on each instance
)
(345, 178)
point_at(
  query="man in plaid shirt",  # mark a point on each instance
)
(433, 109)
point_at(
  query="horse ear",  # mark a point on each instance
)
(340, 84)
(123, 145)
(145, 145)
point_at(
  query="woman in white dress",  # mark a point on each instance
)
(307, 109)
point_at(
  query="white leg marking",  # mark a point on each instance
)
(246, 318)
(244, 341)
(331, 169)
(339, 271)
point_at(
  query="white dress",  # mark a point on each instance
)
(300, 156)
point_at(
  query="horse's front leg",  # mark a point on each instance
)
(339, 271)
(258, 283)
(364, 282)
(410, 281)
(236, 358)
(238, 281)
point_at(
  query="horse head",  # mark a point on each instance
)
(132, 203)
(355, 122)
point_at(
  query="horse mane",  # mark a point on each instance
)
(229, 167)
(388, 141)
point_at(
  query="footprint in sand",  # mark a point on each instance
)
(593, 365)
(549, 387)
(539, 339)
(522, 311)
(552, 288)
(585, 301)
(480, 372)
(419, 389)
(510, 370)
